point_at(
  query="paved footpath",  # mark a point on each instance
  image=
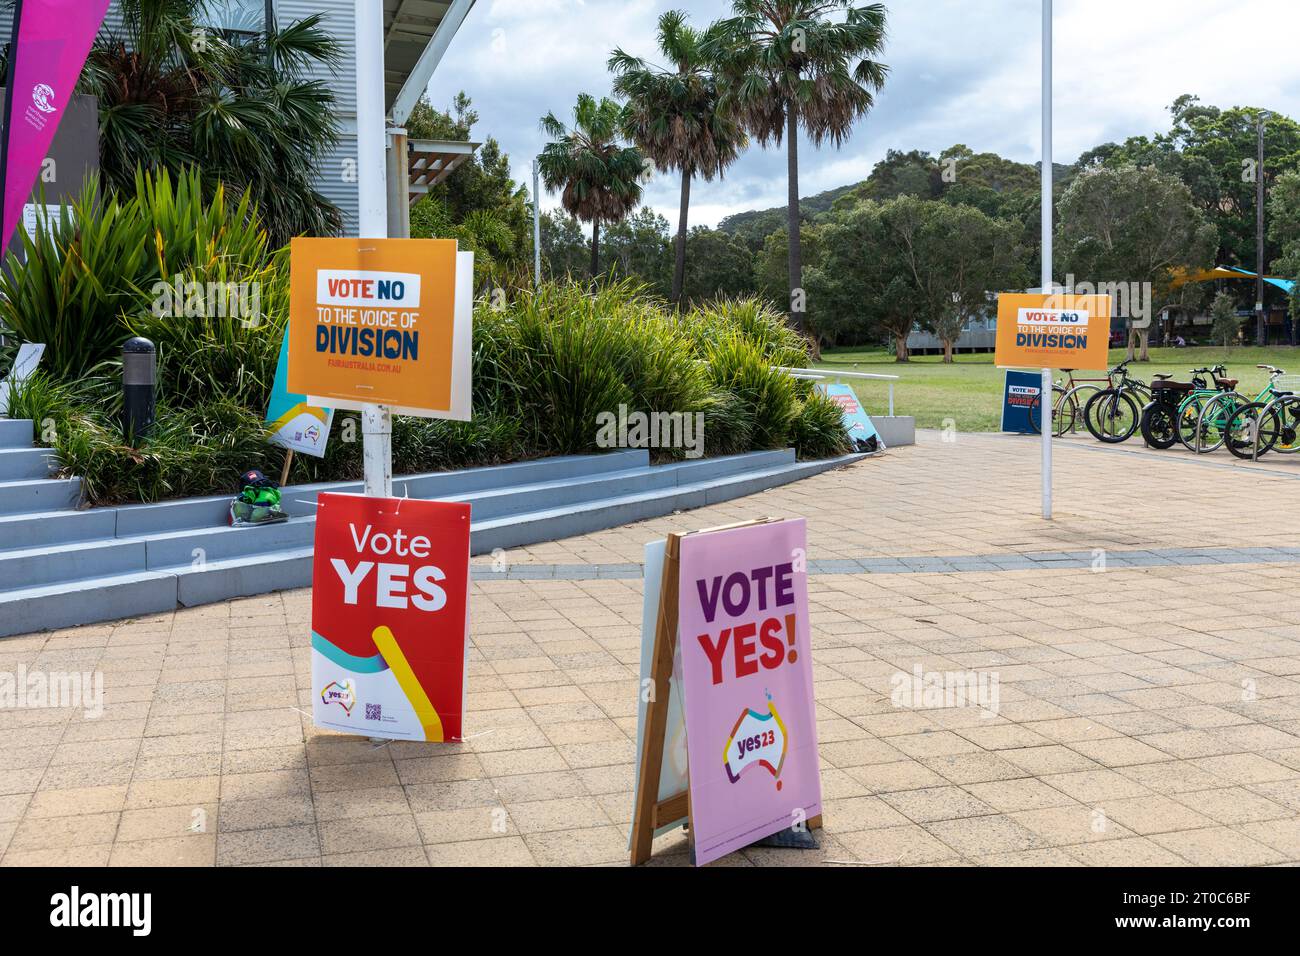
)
(1146, 645)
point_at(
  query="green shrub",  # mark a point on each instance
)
(755, 321)
(728, 424)
(114, 268)
(76, 282)
(741, 367)
(579, 352)
(818, 430)
(545, 367)
(194, 451)
(48, 402)
(422, 444)
(219, 300)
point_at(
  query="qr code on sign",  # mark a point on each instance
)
(374, 711)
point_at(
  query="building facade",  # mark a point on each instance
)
(416, 35)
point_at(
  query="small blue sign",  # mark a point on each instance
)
(1019, 396)
(856, 420)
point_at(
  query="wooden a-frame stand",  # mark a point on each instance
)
(649, 812)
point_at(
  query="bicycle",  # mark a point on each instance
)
(1036, 409)
(1159, 421)
(1113, 414)
(1065, 403)
(1270, 423)
(1203, 415)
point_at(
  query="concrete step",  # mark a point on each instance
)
(67, 558)
(16, 433)
(108, 598)
(20, 532)
(553, 524)
(115, 554)
(82, 560)
(298, 500)
(244, 577)
(19, 463)
(204, 565)
(39, 494)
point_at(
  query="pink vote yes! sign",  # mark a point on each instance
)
(751, 732)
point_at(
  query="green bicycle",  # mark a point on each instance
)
(1202, 417)
(1270, 423)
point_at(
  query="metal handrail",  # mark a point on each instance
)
(824, 372)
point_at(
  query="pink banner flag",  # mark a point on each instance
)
(51, 40)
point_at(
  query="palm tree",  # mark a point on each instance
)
(788, 66)
(674, 116)
(599, 177)
(237, 106)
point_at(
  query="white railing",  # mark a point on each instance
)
(821, 373)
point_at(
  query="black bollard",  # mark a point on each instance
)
(139, 373)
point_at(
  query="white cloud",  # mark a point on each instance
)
(961, 71)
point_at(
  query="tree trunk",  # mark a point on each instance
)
(679, 267)
(947, 351)
(595, 248)
(900, 349)
(798, 301)
(1132, 344)
(1143, 337)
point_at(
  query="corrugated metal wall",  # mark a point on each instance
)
(339, 19)
(336, 179)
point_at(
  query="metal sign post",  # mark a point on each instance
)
(537, 226)
(1045, 403)
(372, 196)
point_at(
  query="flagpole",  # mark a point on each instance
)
(1045, 402)
(372, 215)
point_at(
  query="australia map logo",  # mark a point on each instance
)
(342, 693)
(757, 740)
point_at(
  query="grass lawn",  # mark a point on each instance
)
(970, 390)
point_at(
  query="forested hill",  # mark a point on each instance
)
(912, 172)
(763, 222)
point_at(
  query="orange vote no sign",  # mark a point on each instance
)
(373, 322)
(1053, 331)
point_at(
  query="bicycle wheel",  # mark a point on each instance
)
(1288, 413)
(1036, 415)
(1065, 411)
(1185, 422)
(1211, 423)
(1245, 423)
(1111, 416)
(1158, 427)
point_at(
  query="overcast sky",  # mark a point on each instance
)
(961, 71)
